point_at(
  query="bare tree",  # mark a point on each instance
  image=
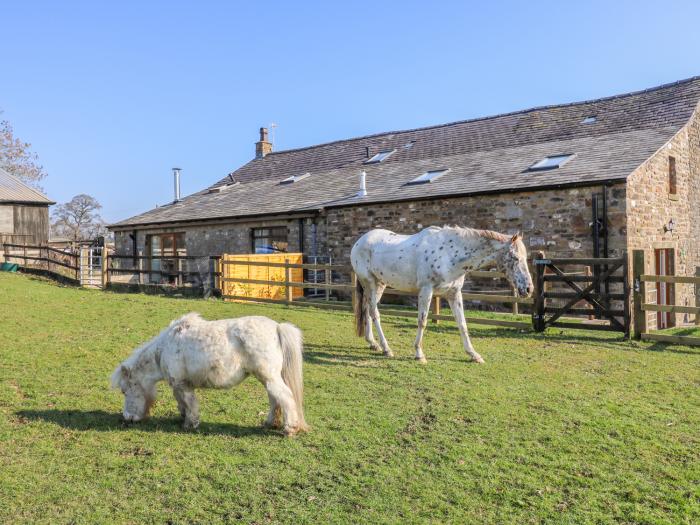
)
(78, 219)
(17, 158)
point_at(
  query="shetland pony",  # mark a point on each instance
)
(194, 353)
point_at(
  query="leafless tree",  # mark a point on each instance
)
(78, 219)
(17, 158)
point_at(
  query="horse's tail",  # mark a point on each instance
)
(360, 310)
(292, 346)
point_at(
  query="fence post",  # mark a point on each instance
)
(639, 294)
(538, 307)
(105, 268)
(626, 290)
(514, 292)
(287, 279)
(436, 308)
(697, 295)
(328, 275)
(25, 255)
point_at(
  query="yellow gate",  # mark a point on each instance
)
(250, 271)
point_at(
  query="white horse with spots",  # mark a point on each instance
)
(194, 353)
(431, 262)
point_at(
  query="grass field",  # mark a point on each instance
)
(558, 428)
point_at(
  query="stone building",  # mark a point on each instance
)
(593, 178)
(24, 212)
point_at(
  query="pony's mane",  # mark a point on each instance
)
(473, 232)
(178, 325)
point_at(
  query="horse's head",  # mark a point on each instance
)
(513, 262)
(138, 398)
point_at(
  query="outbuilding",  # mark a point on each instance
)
(24, 212)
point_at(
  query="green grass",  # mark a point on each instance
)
(565, 427)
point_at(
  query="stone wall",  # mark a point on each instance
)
(209, 240)
(555, 221)
(652, 207)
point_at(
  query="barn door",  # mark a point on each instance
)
(664, 291)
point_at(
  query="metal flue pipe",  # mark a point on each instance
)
(176, 184)
(363, 185)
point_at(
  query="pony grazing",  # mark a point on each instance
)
(431, 262)
(194, 353)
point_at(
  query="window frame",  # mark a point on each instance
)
(566, 158)
(672, 178)
(271, 236)
(386, 152)
(416, 182)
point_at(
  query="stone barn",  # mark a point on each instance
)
(24, 212)
(585, 179)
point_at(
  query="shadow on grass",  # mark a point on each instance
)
(340, 355)
(101, 421)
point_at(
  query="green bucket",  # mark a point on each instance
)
(8, 267)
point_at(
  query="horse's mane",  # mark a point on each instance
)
(473, 232)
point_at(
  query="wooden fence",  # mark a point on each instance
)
(347, 288)
(45, 258)
(641, 307)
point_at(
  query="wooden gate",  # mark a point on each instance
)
(593, 290)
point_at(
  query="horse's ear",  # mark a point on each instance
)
(124, 371)
(516, 237)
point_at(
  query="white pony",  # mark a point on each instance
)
(431, 262)
(194, 353)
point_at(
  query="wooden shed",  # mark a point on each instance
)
(24, 212)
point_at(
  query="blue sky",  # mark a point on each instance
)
(112, 95)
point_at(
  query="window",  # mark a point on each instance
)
(381, 156)
(589, 120)
(295, 178)
(428, 176)
(672, 179)
(164, 250)
(270, 240)
(550, 163)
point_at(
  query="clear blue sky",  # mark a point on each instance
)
(112, 95)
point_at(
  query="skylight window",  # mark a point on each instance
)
(551, 163)
(589, 120)
(295, 178)
(381, 156)
(428, 176)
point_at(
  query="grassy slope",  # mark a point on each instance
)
(558, 428)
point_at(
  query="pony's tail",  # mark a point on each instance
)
(292, 374)
(360, 310)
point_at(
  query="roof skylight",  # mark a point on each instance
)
(295, 178)
(589, 120)
(428, 176)
(381, 156)
(551, 162)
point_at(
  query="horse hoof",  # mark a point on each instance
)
(190, 425)
(422, 360)
(375, 348)
(290, 431)
(388, 353)
(479, 360)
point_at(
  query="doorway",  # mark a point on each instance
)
(664, 264)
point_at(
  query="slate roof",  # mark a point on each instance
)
(14, 190)
(485, 155)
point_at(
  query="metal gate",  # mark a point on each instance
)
(594, 290)
(91, 266)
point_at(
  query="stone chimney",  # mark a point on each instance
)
(263, 146)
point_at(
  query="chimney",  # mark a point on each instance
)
(263, 146)
(363, 185)
(176, 184)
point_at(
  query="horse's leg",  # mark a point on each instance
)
(274, 415)
(455, 300)
(188, 404)
(369, 335)
(284, 399)
(424, 297)
(374, 297)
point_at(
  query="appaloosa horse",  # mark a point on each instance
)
(431, 262)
